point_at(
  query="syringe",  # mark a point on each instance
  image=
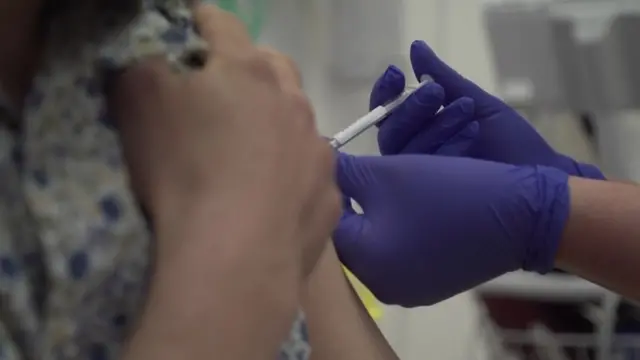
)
(374, 117)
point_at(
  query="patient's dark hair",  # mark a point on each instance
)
(68, 24)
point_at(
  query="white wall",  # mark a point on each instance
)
(301, 28)
(454, 29)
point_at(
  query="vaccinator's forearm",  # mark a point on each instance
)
(601, 242)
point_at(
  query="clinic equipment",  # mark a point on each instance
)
(576, 56)
(374, 117)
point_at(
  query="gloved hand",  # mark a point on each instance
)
(436, 226)
(504, 135)
(449, 132)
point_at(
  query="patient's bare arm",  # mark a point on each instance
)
(339, 325)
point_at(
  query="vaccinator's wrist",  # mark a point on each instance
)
(551, 209)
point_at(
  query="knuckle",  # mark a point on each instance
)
(268, 52)
(287, 62)
(283, 64)
(262, 67)
(276, 57)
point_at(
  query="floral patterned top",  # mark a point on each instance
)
(74, 247)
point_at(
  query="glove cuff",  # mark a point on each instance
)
(578, 169)
(552, 214)
(588, 171)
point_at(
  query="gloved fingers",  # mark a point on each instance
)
(350, 236)
(387, 87)
(408, 119)
(351, 176)
(355, 246)
(425, 62)
(358, 252)
(446, 124)
(461, 142)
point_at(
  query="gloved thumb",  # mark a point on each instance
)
(351, 239)
(353, 230)
(352, 176)
(425, 62)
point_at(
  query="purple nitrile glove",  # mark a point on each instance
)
(435, 226)
(503, 136)
(453, 129)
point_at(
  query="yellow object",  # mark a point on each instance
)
(369, 301)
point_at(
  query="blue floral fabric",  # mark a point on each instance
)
(74, 247)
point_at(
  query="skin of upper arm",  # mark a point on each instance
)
(339, 325)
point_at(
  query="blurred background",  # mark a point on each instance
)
(570, 66)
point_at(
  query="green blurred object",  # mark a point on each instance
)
(251, 12)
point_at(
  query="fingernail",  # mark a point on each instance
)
(467, 106)
(392, 72)
(430, 93)
(423, 48)
(471, 131)
(420, 44)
